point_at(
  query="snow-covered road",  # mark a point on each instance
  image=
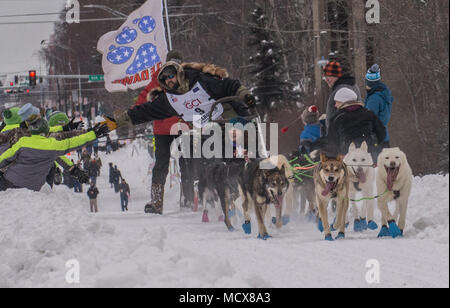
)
(40, 232)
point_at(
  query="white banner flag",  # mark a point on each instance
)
(137, 49)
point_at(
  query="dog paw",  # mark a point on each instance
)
(329, 238)
(231, 213)
(286, 220)
(372, 225)
(320, 225)
(247, 227)
(340, 236)
(363, 224)
(394, 230)
(264, 237)
(357, 225)
(384, 232)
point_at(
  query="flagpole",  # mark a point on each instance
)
(168, 24)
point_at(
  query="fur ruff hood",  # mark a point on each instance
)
(184, 84)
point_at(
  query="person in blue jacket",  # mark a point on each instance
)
(311, 131)
(379, 100)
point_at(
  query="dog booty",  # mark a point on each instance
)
(320, 225)
(247, 227)
(340, 236)
(264, 237)
(231, 213)
(384, 232)
(205, 217)
(286, 219)
(372, 225)
(394, 230)
(329, 238)
(363, 224)
(357, 226)
(274, 220)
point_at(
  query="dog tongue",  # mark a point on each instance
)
(361, 177)
(278, 201)
(329, 188)
(391, 176)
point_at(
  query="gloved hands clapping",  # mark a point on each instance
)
(80, 175)
(100, 130)
(73, 125)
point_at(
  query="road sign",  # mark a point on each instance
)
(96, 78)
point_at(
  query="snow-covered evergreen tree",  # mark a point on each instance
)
(270, 88)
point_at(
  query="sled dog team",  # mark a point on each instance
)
(338, 179)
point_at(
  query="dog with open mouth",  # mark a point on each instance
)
(362, 177)
(264, 182)
(394, 181)
(331, 181)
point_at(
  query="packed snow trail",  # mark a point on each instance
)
(40, 232)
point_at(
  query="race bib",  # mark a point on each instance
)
(195, 106)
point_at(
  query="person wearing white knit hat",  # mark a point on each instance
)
(352, 123)
(345, 95)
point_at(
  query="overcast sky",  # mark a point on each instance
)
(20, 42)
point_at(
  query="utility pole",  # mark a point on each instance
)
(359, 36)
(318, 9)
(80, 99)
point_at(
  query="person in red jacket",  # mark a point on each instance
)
(163, 139)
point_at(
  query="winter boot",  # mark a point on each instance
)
(156, 205)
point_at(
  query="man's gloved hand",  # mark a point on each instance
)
(80, 175)
(73, 125)
(100, 130)
(250, 100)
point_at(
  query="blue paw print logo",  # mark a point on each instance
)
(147, 24)
(120, 55)
(147, 56)
(127, 36)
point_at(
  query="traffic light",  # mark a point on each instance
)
(16, 79)
(11, 84)
(32, 78)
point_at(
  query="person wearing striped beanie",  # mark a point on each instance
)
(379, 100)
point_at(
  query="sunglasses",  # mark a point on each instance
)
(32, 119)
(168, 76)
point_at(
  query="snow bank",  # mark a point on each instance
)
(40, 232)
